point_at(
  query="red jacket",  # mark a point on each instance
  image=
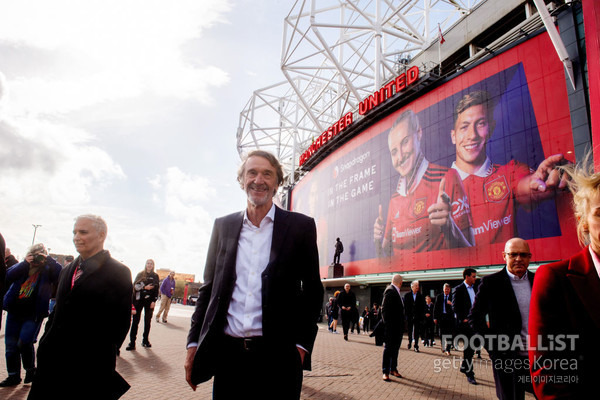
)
(564, 329)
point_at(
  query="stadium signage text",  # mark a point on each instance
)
(393, 87)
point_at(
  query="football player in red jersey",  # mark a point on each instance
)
(493, 189)
(429, 210)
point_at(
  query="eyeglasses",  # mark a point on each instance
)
(515, 255)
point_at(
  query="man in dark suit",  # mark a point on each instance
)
(346, 300)
(500, 313)
(463, 296)
(392, 311)
(414, 307)
(262, 268)
(443, 316)
(2, 274)
(77, 353)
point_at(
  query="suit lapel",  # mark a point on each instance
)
(231, 236)
(584, 278)
(280, 227)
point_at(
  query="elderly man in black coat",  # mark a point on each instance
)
(77, 354)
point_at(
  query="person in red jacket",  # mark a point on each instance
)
(564, 316)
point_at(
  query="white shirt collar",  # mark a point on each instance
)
(482, 172)
(513, 277)
(270, 215)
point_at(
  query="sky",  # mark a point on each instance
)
(128, 109)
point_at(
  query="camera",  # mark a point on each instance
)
(39, 259)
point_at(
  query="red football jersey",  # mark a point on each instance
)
(492, 200)
(408, 225)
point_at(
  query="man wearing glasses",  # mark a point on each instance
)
(504, 298)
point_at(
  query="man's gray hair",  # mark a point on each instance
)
(97, 222)
(413, 283)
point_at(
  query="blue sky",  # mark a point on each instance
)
(128, 110)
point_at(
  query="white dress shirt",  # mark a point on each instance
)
(244, 316)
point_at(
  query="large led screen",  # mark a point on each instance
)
(444, 181)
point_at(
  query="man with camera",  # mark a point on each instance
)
(29, 289)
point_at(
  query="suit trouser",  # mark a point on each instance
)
(390, 355)
(346, 319)
(467, 364)
(165, 305)
(446, 328)
(413, 331)
(511, 385)
(257, 371)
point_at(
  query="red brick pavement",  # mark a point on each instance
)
(341, 370)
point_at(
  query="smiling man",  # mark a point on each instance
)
(429, 210)
(262, 265)
(493, 189)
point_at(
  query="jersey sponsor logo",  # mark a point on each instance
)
(497, 190)
(419, 207)
(405, 233)
(493, 224)
(460, 206)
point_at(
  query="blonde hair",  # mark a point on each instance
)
(584, 184)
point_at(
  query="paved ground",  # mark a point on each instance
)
(341, 370)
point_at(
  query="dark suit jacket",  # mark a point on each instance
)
(291, 288)
(77, 353)
(438, 308)
(461, 302)
(414, 308)
(496, 298)
(392, 313)
(565, 301)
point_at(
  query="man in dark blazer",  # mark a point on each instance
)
(500, 313)
(77, 353)
(392, 312)
(443, 316)
(414, 307)
(463, 296)
(346, 300)
(256, 315)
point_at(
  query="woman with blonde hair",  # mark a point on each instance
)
(145, 293)
(564, 314)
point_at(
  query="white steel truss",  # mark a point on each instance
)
(334, 54)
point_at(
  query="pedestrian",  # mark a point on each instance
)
(564, 303)
(26, 302)
(347, 303)
(392, 311)
(145, 293)
(428, 323)
(443, 317)
(262, 265)
(463, 297)
(500, 313)
(414, 307)
(366, 315)
(77, 353)
(167, 289)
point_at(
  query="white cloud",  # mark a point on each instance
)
(109, 50)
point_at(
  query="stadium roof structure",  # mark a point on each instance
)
(334, 54)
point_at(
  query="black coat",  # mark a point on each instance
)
(496, 299)
(292, 274)
(438, 308)
(392, 313)
(77, 353)
(414, 308)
